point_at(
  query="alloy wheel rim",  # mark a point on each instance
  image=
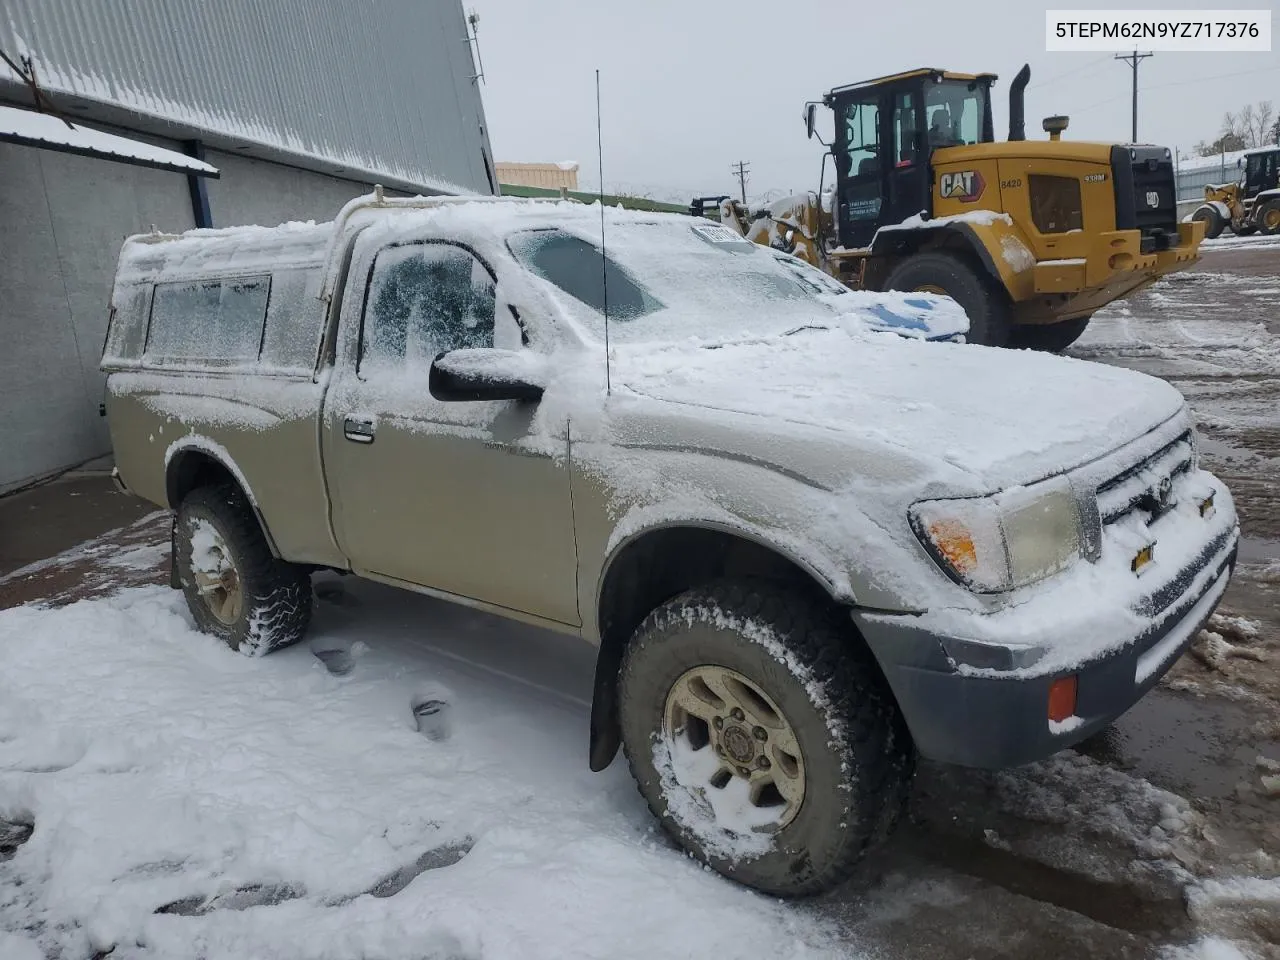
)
(218, 582)
(714, 708)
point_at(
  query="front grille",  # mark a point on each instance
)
(1145, 195)
(1146, 487)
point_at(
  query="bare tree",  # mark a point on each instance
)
(1263, 114)
(1246, 121)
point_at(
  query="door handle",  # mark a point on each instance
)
(359, 431)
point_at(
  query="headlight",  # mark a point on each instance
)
(1004, 541)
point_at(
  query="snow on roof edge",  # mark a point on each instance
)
(44, 131)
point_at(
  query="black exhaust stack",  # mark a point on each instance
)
(1017, 109)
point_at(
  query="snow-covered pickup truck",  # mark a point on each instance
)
(807, 551)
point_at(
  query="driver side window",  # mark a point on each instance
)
(862, 148)
(425, 299)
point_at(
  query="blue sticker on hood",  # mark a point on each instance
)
(889, 318)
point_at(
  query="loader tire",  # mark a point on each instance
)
(1213, 221)
(1049, 337)
(236, 590)
(1268, 218)
(986, 304)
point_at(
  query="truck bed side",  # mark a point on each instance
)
(213, 356)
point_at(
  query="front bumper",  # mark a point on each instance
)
(992, 721)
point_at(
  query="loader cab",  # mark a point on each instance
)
(885, 133)
(1261, 172)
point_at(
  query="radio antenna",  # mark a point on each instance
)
(604, 273)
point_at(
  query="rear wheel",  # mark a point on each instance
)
(1268, 217)
(986, 306)
(762, 735)
(1213, 220)
(1050, 337)
(235, 589)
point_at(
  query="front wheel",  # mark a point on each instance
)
(1213, 220)
(986, 305)
(763, 736)
(235, 589)
(1049, 337)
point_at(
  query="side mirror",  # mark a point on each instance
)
(487, 374)
(810, 118)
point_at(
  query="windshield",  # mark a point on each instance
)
(954, 111)
(671, 280)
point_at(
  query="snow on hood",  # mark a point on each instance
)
(927, 316)
(1005, 417)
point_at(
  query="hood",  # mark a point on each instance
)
(1003, 417)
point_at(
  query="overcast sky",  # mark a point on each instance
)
(690, 86)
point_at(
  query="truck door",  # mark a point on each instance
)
(859, 161)
(909, 173)
(451, 496)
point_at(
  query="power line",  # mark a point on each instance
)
(1133, 59)
(1182, 83)
(1070, 73)
(741, 170)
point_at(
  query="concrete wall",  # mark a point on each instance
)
(551, 176)
(258, 191)
(62, 220)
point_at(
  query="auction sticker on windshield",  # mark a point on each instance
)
(714, 233)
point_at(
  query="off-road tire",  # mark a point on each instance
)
(985, 303)
(276, 607)
(858, 754)
(1049, 337)
(1270, 209)
(1213, 221)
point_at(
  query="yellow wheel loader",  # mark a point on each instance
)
(1030, 237)
(1248, 206)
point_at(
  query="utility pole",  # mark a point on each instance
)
(742, 172)
(1134, 59)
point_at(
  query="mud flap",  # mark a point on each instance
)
(606, 733)
(174, 581)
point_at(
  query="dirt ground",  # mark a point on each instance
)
(1122, 848)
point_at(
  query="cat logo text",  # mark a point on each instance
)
(963, 185)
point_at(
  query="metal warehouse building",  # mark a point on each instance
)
(293, 106)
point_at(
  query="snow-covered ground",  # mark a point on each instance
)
(190, 802)
(1229, 240)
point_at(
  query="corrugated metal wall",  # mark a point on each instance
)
(365, 86)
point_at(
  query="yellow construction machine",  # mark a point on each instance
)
(1250, 205)
(1029, 236)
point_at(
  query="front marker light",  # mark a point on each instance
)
(965, 538)
(997, 543)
